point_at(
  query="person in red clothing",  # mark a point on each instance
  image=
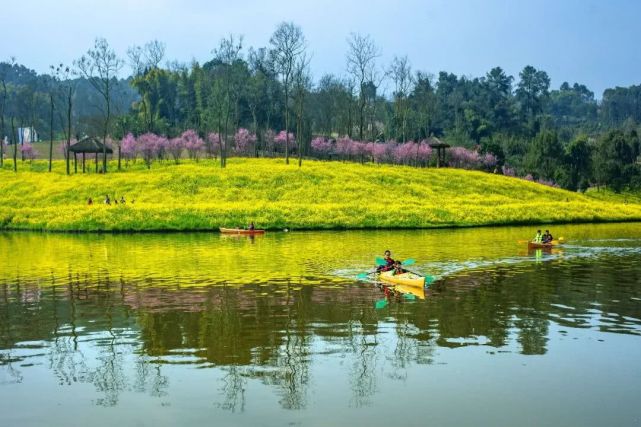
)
(389, 262)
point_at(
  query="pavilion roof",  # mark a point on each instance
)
(89, 144)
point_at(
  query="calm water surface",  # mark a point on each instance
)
(194, 329)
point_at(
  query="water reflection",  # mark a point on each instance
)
(122, 328)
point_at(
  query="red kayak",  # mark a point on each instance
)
(240, 231)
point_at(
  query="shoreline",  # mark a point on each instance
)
(310, 229)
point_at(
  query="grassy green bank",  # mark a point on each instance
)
(320, 195)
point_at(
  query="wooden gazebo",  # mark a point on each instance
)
(439, 146)
(91, 145)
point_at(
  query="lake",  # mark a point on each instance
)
(198, 328)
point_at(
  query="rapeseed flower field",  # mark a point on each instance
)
(320, 195)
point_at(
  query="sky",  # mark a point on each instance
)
(595, 43)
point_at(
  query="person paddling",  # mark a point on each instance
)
(538, 238)
(547, 237)
(252, 227)
(389, 262)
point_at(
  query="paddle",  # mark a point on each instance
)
(365, 275)
(381, 303)
(381, 261)
(554, 242)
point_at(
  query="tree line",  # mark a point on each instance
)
(564, 136)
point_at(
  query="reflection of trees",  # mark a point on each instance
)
(233, 389)
(363, 342)
(70, 318)
(265, 333)
(293, 359)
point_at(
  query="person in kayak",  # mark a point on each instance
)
(252, 227)
(398, 268)
(389, 262)
(538, 238)
(547, 237)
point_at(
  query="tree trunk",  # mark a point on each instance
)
(51, 133)
(361, 118)
(104, 136)
(15, 146)
(286, 122)
(2, 129)
(2, 140)
(258, 137)
(68, 144)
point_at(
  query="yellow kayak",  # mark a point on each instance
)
(408, 279)
(413, 290)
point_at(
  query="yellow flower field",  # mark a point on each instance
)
(320, 195)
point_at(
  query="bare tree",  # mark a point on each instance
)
(4, 70)
(3, 107)
(302, 84)
(146, 57)
(136, 60)
(229, 87)
(361, 65)
(52, 88)
(401, 73)
(288, 45)
(100, 67)
(65, 78)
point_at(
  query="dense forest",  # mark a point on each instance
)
(563, 136)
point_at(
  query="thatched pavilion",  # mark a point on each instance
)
(91, 145)
(439, 146)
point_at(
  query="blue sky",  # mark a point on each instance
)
(587, 41)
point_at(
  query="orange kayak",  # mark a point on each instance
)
(240, 231)
(533, 245)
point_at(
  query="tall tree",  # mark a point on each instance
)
(499, 89)
(424, 105)
(361, 65)
(147, 76)
(401, 73)
(230, 83)
(64, 75)
(531, 91)
(301, 88)
(4, 71)
(287, 46)
(100, 67)
(52, 89)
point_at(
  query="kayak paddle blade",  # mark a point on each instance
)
(380, 261)
(381, 303)
(409, 297)
(362, 276)
(408, 262)
(428, 280)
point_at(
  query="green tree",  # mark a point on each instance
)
(578, 155)
(545, 155)
(531, 93)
